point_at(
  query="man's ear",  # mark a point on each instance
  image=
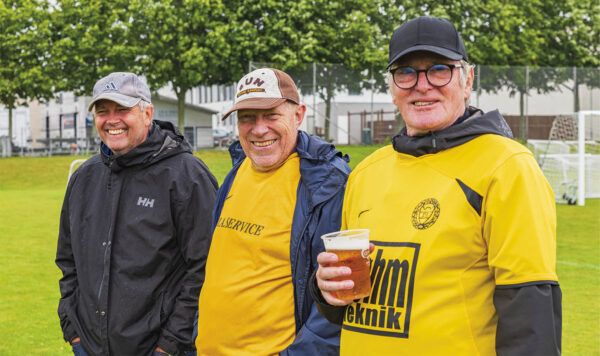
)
(148, 113)
(469, 84)
(299, 115)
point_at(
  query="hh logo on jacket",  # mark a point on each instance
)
(145, 202)
(387, 310)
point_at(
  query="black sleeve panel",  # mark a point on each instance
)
(332, 313)
(529, 320)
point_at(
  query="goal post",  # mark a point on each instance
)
(581, 158)
(570, 157)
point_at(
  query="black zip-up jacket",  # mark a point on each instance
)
(132, 246)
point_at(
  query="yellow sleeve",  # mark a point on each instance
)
(519, 223)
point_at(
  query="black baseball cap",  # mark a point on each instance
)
(425, 33)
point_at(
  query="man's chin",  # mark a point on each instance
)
(262, 164)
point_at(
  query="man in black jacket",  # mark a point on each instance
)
(134, 231)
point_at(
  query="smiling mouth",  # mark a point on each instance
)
(115, 132)
(423, 103)
(263, 143)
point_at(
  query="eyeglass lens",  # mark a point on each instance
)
(437, 75)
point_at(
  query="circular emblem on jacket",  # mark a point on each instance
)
(426, 214)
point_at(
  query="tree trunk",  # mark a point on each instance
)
(11, 146)
(329, 95)
(575, 91)
(327, 116)
(10, 123)
(522, 128)
(181, 110)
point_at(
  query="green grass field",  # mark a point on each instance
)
(31, 193)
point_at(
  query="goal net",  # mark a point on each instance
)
(570, 158)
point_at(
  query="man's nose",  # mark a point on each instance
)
(261, 127)
(422, 82)
(112, 116)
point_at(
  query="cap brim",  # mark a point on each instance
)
(123, 100)
(427, 48)
(255, 103)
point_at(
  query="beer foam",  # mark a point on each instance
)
(346, 243)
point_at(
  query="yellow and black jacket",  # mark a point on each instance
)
(464, 226)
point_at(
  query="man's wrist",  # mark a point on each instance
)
(158, 348)
(75, 340)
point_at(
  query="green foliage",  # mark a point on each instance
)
(91, 39)
(287, 35)
(24, 48)
(23, 52)
(536, 33)
(183, 43)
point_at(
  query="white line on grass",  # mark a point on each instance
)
(585, 265)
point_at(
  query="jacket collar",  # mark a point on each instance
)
(476, 124)
(164, 140)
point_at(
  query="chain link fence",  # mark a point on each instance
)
(347, 106)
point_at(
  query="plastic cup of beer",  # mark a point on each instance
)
(352, 249)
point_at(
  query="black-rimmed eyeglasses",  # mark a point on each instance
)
(437, 75)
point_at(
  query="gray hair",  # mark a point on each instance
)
(144, 105)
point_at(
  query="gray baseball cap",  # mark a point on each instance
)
(126, 89)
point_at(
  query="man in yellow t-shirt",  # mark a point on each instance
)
(285, 190)
(462, 222)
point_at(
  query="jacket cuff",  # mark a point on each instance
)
(68, 330)
(334, 314)
(168, 344)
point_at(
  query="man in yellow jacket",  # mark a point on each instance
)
(462, 221)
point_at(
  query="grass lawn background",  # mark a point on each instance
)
(31, 194)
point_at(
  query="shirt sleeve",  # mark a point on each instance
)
(519, 226)
(529, 320)
(335, 314)
(519, 223)
(66, 262)
(193, 223)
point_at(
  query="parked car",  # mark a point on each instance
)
(223, 138)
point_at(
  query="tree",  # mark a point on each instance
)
(182, 43)
(534, 34)
(90, 39)
(578, 45)
(287, 35)
(23, 54)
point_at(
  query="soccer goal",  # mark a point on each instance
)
(570, 158)
(74, 165)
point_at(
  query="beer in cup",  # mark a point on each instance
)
(352, 249)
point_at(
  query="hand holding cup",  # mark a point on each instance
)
(344, 269)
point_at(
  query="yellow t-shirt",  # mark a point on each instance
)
(439, 258)
(246, 305)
